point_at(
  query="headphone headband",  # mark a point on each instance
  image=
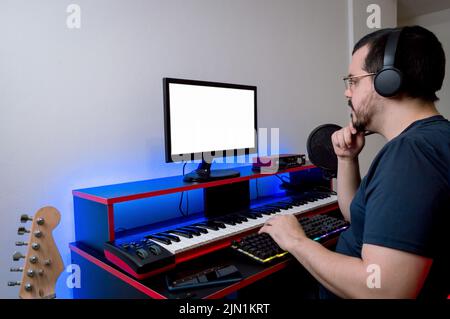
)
(391, 48)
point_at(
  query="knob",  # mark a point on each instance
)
(33, 259)
(17, 255)
(14, 283)
(16, 269)
(38, 234)
(40, 221)
(47, 262)
(24, 218)
(35, 246)
(28, 287)
(22, 230)
(21, 243)
(142, 253)
(30, 273)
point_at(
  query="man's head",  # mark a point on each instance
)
(420, 58)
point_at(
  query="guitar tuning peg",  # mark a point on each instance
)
(33, 259)
(35, 246)
(14, 283)
(38, 234)
(24, 218)
(21, 243)
(17, 255)
(22, 230)
(40, 221)
(31, 273)
(16, 269)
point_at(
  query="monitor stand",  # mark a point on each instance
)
(204, 174)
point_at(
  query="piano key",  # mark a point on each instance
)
(169, 236)
(159, 239)
(218, 223)
(181, 233)
(240, 217)
(247, 215)
(190, 230)
(225, 221)
(198, 229)
(209, 226)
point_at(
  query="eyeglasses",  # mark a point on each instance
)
(349, 81)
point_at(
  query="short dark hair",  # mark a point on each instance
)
(419, 56)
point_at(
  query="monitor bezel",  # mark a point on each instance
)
(199, 156)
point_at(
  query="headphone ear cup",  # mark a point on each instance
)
(388, 82)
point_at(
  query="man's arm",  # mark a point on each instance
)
(348, 180)
(401, 274)
(347, 144)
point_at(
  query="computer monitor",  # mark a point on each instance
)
(204, 120)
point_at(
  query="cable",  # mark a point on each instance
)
(180, 208)
(257, 190)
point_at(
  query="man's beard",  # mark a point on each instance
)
(361, 118)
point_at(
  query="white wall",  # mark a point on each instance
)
(81, 108)
(439, 24)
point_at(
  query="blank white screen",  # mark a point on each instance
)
(205, 119)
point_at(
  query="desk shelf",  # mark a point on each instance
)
(94, 207)
(118, 193)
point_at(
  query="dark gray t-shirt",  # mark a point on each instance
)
(404, 202)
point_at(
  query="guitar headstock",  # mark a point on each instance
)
(43, 262)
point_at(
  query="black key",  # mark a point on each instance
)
(226, 221)
(218, 224)
(234, 219)
(266, 211)
(255, 213)
(210, 226)
(202, 230)
(241, 217)
(181, 233)
(274, 209)
(169, 236)
(159, 239)
(248, 215)
(281, 205)
(191, 231)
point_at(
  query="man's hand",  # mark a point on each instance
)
(347, 142)
(285, 230)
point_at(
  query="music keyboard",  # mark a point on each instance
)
(155, 252)
(185, 244)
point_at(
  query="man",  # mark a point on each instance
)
(399, 212)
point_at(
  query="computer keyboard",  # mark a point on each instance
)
(262, 248)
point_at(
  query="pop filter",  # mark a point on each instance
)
(320, 148)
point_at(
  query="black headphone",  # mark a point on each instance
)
(388, 80)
